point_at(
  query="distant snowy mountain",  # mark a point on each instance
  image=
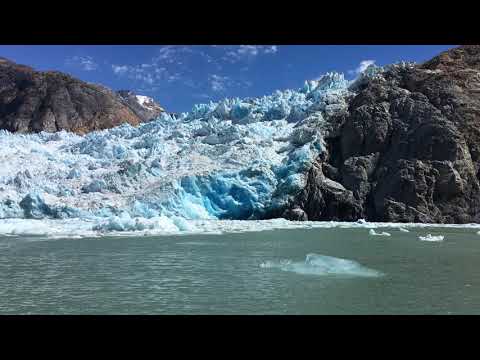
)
(143, 106)
(145, 101)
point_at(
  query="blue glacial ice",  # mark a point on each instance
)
(235, 159)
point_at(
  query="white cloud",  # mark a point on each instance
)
(120, 69)
(201, 96)
(144, 73)
(219, 83)
(271, 49)
(364, 64)
(85, 63)
(174, 77)
(190, 66)
(248, 52)
(146, 89)
(247, 83)
(170, 54)
(173, 54)
(170, 64)
(166, 53)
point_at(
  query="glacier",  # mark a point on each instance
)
(236, 159)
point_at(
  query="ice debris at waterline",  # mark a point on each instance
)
(403, 230)
(430, 237)
(372, 232)
(315, 264)
(162, 225)
(235, 159)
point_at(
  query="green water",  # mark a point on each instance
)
(221, 274)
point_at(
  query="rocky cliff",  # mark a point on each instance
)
(406, 150)
(33, 101)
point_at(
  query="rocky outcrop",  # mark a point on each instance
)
(324, 199)
(33, 101)
(407, 149)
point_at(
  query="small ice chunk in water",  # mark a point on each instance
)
(403, 230)
(315, 264)
(430, 237)
(372, 232)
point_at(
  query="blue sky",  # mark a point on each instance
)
(180, 76)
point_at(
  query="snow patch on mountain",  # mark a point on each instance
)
(147, 102)
(142, 99)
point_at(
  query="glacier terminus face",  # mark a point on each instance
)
(235, 159)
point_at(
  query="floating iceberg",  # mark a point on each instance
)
(372, 232)
(430, 237)
(315, 264)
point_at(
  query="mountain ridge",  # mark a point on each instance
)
(34, 101)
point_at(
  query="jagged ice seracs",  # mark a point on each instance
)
(235, 159)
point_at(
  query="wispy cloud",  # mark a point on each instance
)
(218, 83)
(246, 83)
(172, 54)
(169, 65)
(247, 52)
(144, 73)
(120, 69)
(85, 63)
(221, 83)
(364, 64)
(201, 96)
(197, 67)
(270, 49)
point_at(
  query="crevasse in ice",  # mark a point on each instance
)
(235, 159)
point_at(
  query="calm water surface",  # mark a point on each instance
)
(222, 274)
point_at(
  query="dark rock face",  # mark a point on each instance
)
(33, 101)
(407, 150)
